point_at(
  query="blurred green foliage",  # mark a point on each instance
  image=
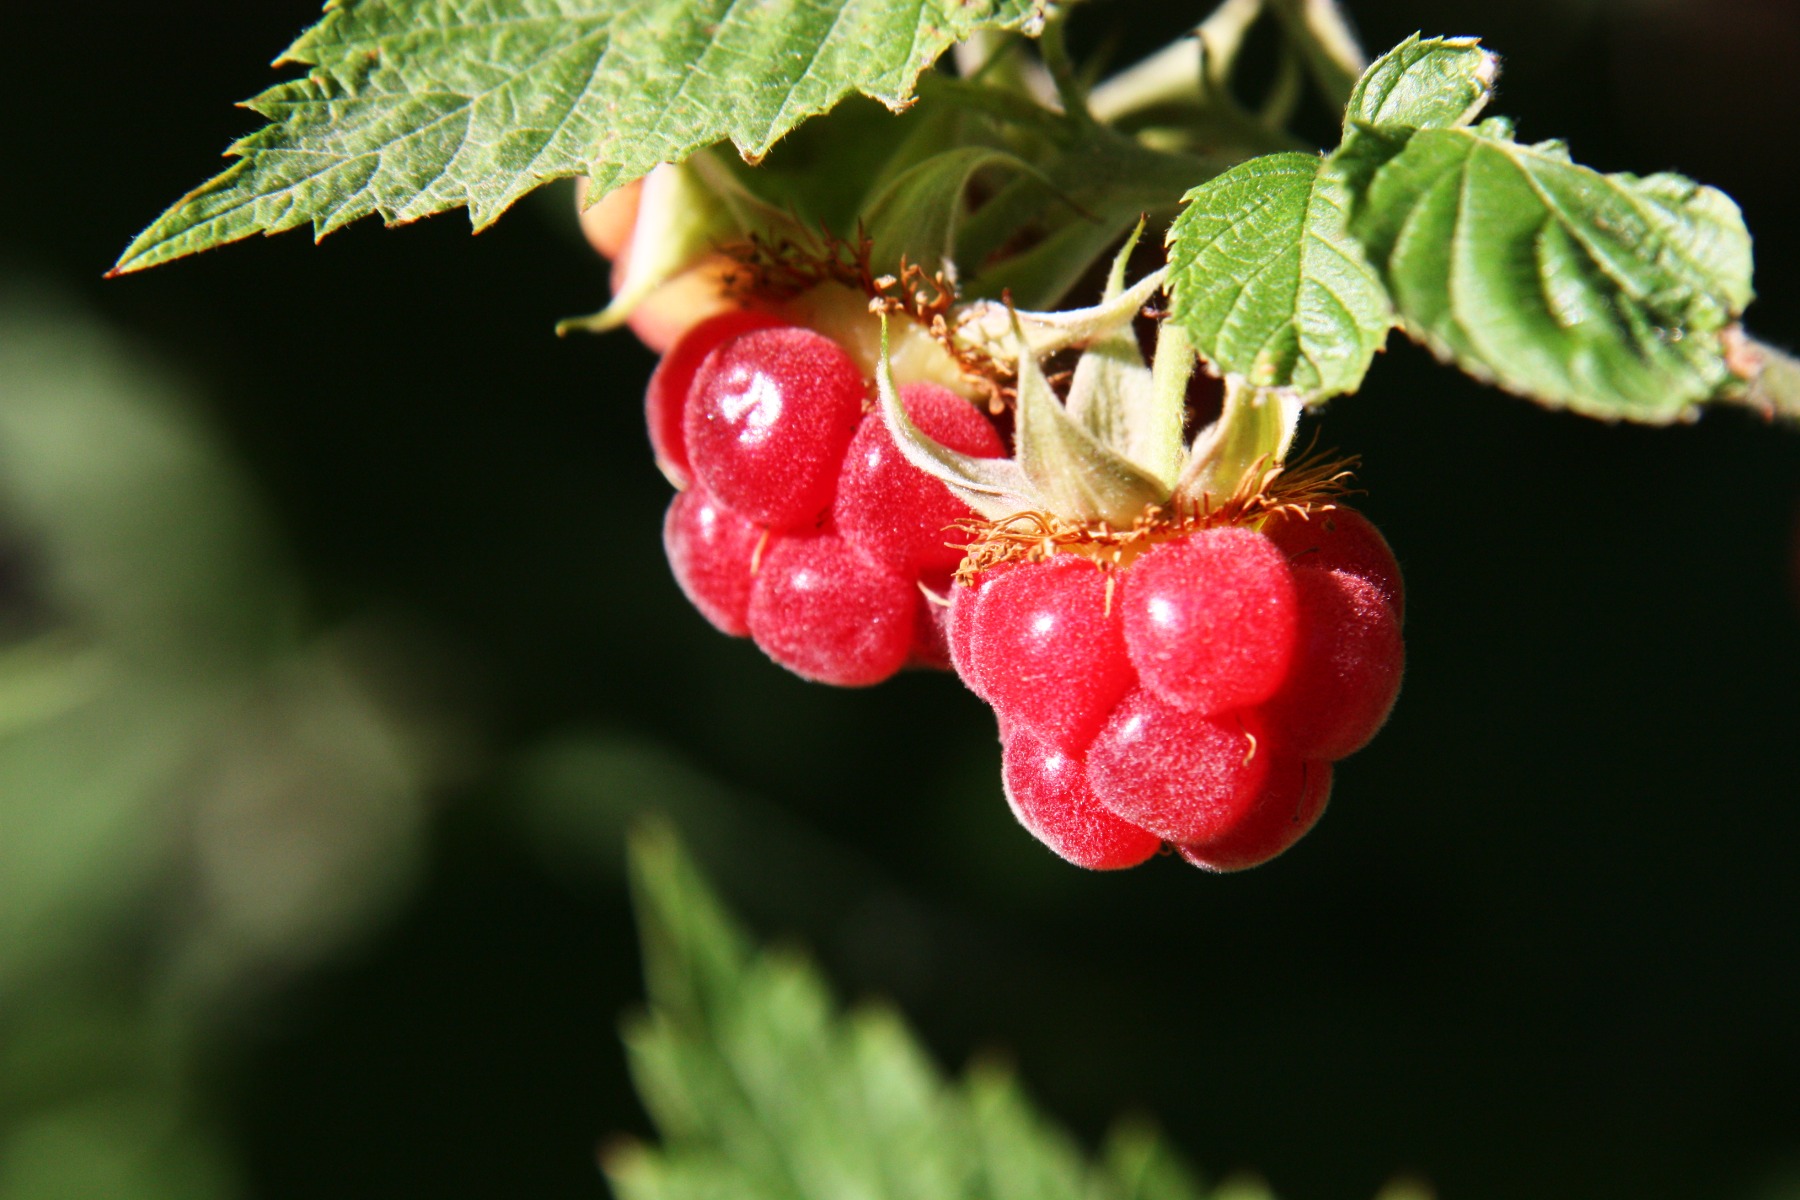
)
(198, 796)
(762, 1090)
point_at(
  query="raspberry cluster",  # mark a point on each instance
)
(1195, 697)
(799, 523)
(1183, 683)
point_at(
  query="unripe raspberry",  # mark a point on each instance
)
(1046, 650)
(891, 509)
(1346, 671)
(676, 305)
(1210, 619)
(768, 419)
(1340, 539)
(823, 610)
(607, 223)
(1183, 776)
(712, 551)
(1048, 792)
(665, 403)
(1292, 802)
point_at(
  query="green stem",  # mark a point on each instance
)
(1322, 34)
(1069, 87)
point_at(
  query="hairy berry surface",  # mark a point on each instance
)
(1341, 539)
(825, 611)
(896, 512)
(1292, 802)
(1347, 668)
(665, 403)
(1047, 650)
(1181, 775)
(712, 551)
(768, 420)
(1210, 619)
(1047, 789)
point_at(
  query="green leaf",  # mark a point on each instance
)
(915, 217)
(767, 1091)
(412, 107)
(1605, 294)
(1141, 1165)
(1424, 83)
(1268, 282)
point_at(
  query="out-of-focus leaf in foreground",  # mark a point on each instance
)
(761, 1088)
(412, 107)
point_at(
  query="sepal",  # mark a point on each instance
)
(1253, 433)
(994, 487)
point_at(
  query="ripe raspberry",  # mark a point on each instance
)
(1048, 792)
(892, 510)
(959, 629)
(768, 419)
(1347, 671)
(1340, 539)
(1286, 811)
(931, 633)
(1210, 619)
(1047, 651)
(823, 610)
(712, 551)
(1181, 775)
(665, 404)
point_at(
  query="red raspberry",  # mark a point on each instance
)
(931, 633)
(959, 629)
(1181, 775)
(823, 610)
(768, 419)
(1210, 619)
(1047, 651)
(1340, 539)
(712, 551)
(1347, 672)
(1292, 804)
(892, 510)
(1048, 792)
(665, 403)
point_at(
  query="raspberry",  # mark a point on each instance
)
(712, 551)
(1287, 810)
(959, 629)
(931, 634)
(1340, 539)
(1210, 619)
(677, 304)
(1046, 649)
(892, 510)
(768, 420)
(665, 404)
(1347, 671)
(1181, 775)
(823, 610)
(1048, 792)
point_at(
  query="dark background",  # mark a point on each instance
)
(1546, 942)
